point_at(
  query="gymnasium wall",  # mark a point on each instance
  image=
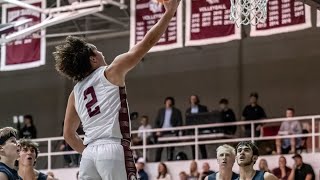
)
(283, 69)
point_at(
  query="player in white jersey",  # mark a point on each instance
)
(99, 102)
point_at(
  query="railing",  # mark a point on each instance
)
(199, 139)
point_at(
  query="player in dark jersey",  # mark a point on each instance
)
(9, 153)
(28, 156)
(247, 154)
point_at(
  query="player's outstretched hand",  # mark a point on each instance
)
(171, 5)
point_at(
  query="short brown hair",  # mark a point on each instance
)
(29, 144)
(6, 133)
(73, 58)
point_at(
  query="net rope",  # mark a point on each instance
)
(248, 11)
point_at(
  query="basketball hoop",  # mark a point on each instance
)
(248, 11)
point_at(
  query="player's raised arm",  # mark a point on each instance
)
(125, 62)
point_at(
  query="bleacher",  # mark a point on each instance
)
(311, 154)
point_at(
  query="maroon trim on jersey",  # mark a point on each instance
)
(124, 123)
(129, 163)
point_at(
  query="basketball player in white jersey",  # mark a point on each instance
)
(99, 102)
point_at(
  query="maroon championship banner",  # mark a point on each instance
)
(283, 16)
(145, 14)
(208, 22)
(28, 51)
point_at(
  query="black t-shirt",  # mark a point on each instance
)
(28, 132)
(11, 173)
(302, 172)
(228, 116)
(253, 112)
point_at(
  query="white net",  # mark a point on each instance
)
(248, 11)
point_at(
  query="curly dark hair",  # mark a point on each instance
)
(28, 143)
(73, 58)
(253, 146)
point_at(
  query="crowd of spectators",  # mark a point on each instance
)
(299, 171)
(171, 116)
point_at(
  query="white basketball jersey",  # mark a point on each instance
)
(102, 108)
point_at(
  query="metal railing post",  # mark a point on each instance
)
(49, 154)
(144, 143)
(197, 138)
(252, 132)
(313, 135)
(196, 143)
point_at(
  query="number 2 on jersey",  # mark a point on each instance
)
(90, 91)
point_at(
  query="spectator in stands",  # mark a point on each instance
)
(29, 130)
(194, 173)
(195, 108)
(283, 171)
(253, 111)
(137, 139)
(28, 156)
(135, 123)
(9, 153)
(205, 171)
(183, 175)
(263, 165)
(167, 117)
(144, 126)
(301, 170)
(227, 115)
(226, 155)
(289, 127)
(163, 172)
(140, 168)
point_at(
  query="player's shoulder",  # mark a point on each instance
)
(3, 176)
(269, 176)
(114, 76)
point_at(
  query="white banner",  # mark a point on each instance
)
(28, 51)
(283, 16)
(145, 14)
(318, 18)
